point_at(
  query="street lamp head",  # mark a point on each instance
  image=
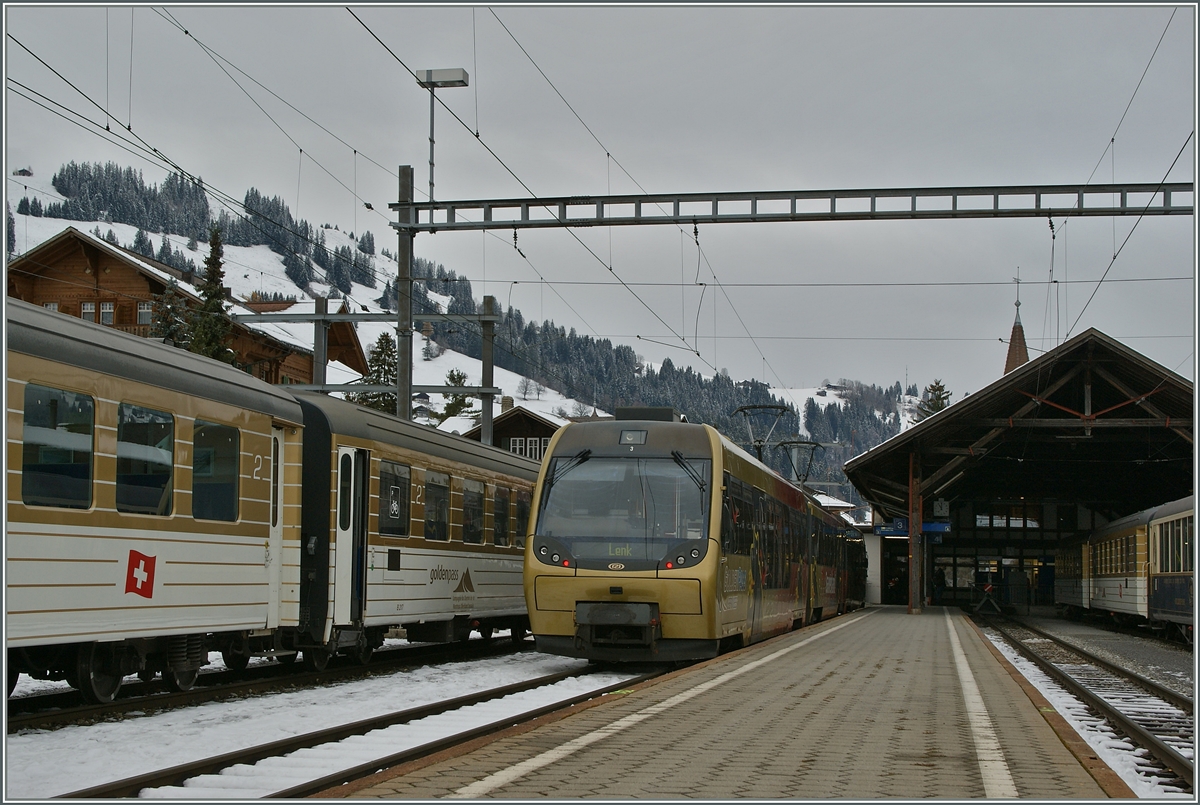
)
(436, 79)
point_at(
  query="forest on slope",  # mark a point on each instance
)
(578, 366)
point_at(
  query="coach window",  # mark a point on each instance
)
(215, 471)
(500, 517)
(523, 502)
(437, 506)
(472, 511)
(56, 467)
(393, 499)
(145, 456)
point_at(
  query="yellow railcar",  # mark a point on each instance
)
(661, 540)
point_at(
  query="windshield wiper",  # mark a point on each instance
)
(689, 469)
(574, 461)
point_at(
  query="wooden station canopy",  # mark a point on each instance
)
(1089, 421)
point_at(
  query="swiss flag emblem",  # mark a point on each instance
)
(139, 576)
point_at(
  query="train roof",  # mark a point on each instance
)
(53, 336)
(1148, 516)
(350, 419)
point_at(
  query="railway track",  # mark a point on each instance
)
(334, 756)
(48, 710)
(1152, 716)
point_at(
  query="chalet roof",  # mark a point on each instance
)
(516, 412)
(1090, 420)
(344, 345)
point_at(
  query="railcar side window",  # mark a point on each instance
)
(56, 466)
(472, 511)
(500, 517)
(523, 503)
(215, 471)
(393, 499)
(145, 460)
(437, 506)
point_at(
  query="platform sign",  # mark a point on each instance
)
(899, 528)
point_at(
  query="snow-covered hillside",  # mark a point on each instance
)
(258, 269)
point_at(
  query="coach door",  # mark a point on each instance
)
(274, 560)
(350, 551)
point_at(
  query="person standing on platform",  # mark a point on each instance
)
(939, 585)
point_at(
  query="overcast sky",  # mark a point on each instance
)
(685, 99)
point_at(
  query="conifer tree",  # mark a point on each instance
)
(456, 404)
(936, 398)
(10, 230)
(23, 206)
(211, 325)
(142, 244)
(381, 371)
(170, 317)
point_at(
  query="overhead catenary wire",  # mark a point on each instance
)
(518, 179)
(1113, 138)
(1132, 229)
(608, 155)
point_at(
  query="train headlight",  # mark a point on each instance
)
(679, 560)
(695, 552)
(554, 558)
(542, 550)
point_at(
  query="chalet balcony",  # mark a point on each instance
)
(142, 330)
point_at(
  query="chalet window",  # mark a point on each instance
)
(106, 313)
(51, 306)
(517, 445)
(533, 448)
(145, 310)
(88, 311)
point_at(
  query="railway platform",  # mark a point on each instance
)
(874, 704)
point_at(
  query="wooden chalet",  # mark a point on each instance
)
(519, 430)
(78, 274)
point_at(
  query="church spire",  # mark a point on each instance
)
(1018, 354)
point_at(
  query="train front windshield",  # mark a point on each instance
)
(631, 508)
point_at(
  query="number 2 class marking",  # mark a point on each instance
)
(258, 465)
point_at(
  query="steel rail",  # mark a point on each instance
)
(1149, 685)
(214, 686)
(176, 775)
(363, 769)
(1163, 752)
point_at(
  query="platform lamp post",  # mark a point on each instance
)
(432, 80)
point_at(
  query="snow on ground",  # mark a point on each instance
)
(46, 763)
(1119, 754)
